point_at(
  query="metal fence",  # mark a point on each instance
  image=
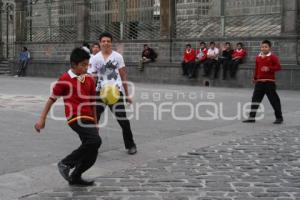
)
(55, 20)
(50, 20)
(228, 18)
(126, 20)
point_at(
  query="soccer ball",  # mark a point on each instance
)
(110, 94)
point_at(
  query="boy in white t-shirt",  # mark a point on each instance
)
(109, 67)
(212, 61)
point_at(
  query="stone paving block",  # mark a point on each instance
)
(262, 167)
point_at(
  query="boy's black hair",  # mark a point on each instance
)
(85, 44)
(145, 45)
(96, 43)
(78, 55)
(228, 43)
(25, 48)
(212, 43)
(239, 43)
(268, 42)
(106, 34)
(202, 43)
(188, 45)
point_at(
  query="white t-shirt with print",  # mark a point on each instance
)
(89, 70)
(107, 70)
(213, 52)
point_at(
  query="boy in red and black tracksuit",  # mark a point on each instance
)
(188, 62)
(237, 58)
(267, 64)
(78, 92)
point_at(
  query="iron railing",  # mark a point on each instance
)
(54, 20)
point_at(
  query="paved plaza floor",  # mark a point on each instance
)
(191, 145)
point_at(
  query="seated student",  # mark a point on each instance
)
(148, 55)
(226, 58)
(212, 61)
(201, 56)
(237, 58)
(188, 62)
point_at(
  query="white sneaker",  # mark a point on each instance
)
(16, 76)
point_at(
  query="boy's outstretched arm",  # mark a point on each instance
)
(40, 124)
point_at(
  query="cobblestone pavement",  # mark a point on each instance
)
(265, 166)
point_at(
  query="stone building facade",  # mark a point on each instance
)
(51, 29)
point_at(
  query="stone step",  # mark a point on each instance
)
(4, 68)
(2, 72)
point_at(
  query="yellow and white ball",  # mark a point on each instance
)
(110, 94)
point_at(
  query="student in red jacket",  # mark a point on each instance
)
(188, 62)
(267, 64)
(237, 58)
(201, 56)
(78, 92)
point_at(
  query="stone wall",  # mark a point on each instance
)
(53, 59)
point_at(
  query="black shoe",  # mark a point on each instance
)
(81, 182)
(132, 150)
(64, 170)
(249, 121)
(278, 121)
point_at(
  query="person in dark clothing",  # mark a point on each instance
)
(226, 58)
(23, 62)
(212, 61)
(148, 55)
(267, 63)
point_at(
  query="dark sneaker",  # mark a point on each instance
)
(278, 121)
(64, 170)
(249, 121)
(132, 150)
(81, 182)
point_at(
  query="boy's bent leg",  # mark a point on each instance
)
(85, 156)
(274, 99)
(216, 68)
(184, 68)
(225, 68)
(119, 111)
(234, 67)
(258, 95)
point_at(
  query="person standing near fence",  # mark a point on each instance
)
(23, 62)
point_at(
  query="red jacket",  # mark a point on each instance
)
(272, 62)
(204, 56)
(78, 97)
(189, 56)
(239, 53)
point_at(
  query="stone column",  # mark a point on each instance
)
(289, 17)
(82, 14)
(167, 29)
(20, 20)
(288, 45)
(298, 31)
(167, 18)
(1, 24)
